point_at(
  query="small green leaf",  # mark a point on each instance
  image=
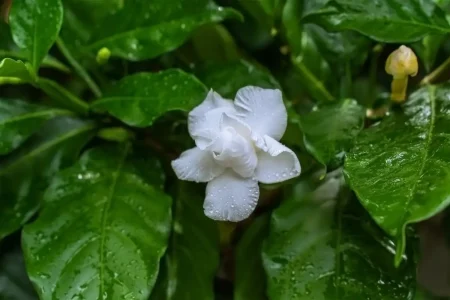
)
(19, 119)
(250, 280)
(35, 24)
(155, 27)
(390, 21)
(400, 168)
(24, 174)
(322, 247)
(139, 99)
(103, 228)
(192, 258)
(228, 78)
(329, 131)
(15, 71)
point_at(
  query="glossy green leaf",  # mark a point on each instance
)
(35, 24)
(15, 71)
(139, 99)
(24, 174)
(392, 21)
(227, 79)
(322, 247)
(329, 130)
(14, 282)
(19, 119)
(103, 228)
(400, 168)
(8, 49)
(192, 258)
(142, 29)
(249, 283)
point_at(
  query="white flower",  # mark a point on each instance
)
(237, 146)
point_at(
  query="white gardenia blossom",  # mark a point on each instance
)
(237, 146)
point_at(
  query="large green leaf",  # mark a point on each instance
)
(144, 29)
(249, 283)
(228, 78)
(394, 21)
(400, 168)
(322, 247)
(139, 99)
(192, 258)
(329, 131)
(103, 228)
(35, 24)
(25, 173)
(19, 119)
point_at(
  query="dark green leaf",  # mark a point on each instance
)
(227, 79)
(17, 72)
(320, 247)
(393, 21)
(103, 228)
(19, 119)
(427, 49)
(35, 24)
(249, 273)
(143, 29)
(329, 131)
(313, 69)
(139, 99)
(24, 174)
(192, 258)
(400, 168)
(14, 282)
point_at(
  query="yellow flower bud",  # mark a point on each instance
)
(400, 64)
(103, 56)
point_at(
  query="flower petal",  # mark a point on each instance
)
(196, 165)
(276, 162)
(232, 148)
(230, 197)
(263, 110)
(206, 116)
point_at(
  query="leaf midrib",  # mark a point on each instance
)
(432, 94)
(104, 219)
(36, 114)
(46, 146)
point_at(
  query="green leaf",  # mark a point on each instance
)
(192, 258)
(14, 282)
(390, 21)
(139, 99)
(15, 71)
(35, 24)
(228, 78)
(103, 228)
(400, 168)
(320, 247)
(427, 49)
(314, 70)
(20, 119)
(249, 273)
(148, 29)
(25, 173)
(18, 72)
(329, 131)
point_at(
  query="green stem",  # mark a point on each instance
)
(311, 82)
(430, 78)
(78, 68)
(373, 73)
